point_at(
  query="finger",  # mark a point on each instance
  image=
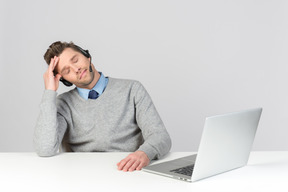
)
(50, 67)
(128, 165)
(122, 163)
(53, 63)
(134, 166)
(140, 166)
(56, 61)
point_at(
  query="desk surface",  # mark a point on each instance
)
(266, 171)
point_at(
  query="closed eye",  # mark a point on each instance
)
(74, 59)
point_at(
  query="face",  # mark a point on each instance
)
(73, 66)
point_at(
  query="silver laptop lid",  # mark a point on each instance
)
(226, 143)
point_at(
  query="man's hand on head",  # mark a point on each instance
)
(51, 81)
(134, 161)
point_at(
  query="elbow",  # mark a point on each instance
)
(45, 153)
(169, 144)
(45, 149)
(163, 147)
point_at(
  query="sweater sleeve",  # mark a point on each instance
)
(50, 126)
(157, 142)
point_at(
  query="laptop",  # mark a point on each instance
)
(225, 145)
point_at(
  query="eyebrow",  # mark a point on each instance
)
(64, 68)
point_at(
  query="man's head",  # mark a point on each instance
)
(74, 64)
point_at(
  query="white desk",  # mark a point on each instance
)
(266, 171)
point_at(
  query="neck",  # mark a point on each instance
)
(95, 79)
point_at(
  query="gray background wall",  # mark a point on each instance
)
(195, 58)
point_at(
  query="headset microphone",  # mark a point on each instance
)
(90, 66)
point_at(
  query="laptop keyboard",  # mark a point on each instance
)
(184, 170)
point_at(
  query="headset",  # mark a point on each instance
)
(86, 54)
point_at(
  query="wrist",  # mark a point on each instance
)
(142, 153)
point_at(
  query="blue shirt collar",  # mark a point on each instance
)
(99, 87)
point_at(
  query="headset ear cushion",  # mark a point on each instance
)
(66, 83)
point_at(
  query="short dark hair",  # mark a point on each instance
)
(56, 48)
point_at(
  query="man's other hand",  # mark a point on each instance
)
(134, 161)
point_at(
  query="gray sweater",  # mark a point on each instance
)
(122, 119)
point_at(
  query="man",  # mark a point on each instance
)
(100, 114)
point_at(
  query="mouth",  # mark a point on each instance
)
(83, 73)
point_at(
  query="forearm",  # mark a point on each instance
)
(157, 142)
(156, 145)
(46, 134)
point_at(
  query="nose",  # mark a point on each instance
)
(75, 68)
